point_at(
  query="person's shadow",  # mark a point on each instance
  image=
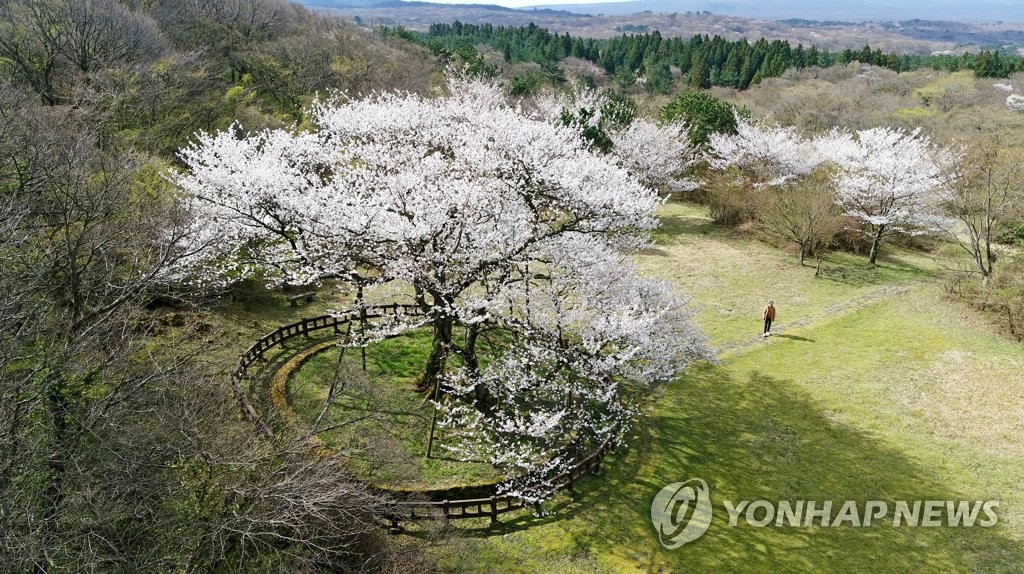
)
(795, 338)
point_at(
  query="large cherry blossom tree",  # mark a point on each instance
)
(496, 222)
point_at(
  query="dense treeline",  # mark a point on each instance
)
(121, 448)
(706, 61)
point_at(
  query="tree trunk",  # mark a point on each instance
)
(439, 349)
(876, 244)
(53, 493)
(803, 253)
(431, 381)
(469, 350)
(483, 400)
(990, 259)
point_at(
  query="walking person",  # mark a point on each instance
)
(769, 316)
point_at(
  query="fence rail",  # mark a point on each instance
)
(301, 328)
(496, 505)
(490, 507)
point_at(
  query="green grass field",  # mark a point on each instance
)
(912, 397)
(385, 422)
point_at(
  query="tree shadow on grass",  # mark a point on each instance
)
(763, 438)
(856, 271)
(755, 437)
(676, 225)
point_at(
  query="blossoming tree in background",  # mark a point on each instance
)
(768, 154)
(659, 154)
(500, 225)
(887, 179)
(1015, 102)
(795, 197)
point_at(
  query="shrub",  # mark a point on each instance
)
(1002, 299)
(730, 199)
(1014, 235)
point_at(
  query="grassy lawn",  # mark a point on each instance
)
(386, 422)
(731, 278)
(910, 398)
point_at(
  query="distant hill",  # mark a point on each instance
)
(342, 3)
(413, 4)
(981, 10)
(827, 30)
(391, 4)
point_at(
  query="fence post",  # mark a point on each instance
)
(494, 510)
(362, 324)
(444, 511)
(395, 527)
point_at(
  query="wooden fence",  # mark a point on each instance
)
(302, 328)
(496, 505)
(490, 507)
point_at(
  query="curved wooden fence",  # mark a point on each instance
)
(301, 328)
(490, 507)
(495, 505)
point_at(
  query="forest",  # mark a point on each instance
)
(706, 61)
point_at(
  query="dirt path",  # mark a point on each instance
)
(830, 312)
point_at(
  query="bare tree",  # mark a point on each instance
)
(803, 212)
(248, 18)
(31, 40)
(80, 252)
(228, 27)
(120, 448)
(983, 189)
(51, 44)
(104, 33)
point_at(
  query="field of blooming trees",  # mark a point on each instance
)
(576, 264)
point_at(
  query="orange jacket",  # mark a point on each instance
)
(769, 313)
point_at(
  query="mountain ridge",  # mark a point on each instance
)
(983, 10)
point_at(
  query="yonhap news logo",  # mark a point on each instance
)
(681, 513)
